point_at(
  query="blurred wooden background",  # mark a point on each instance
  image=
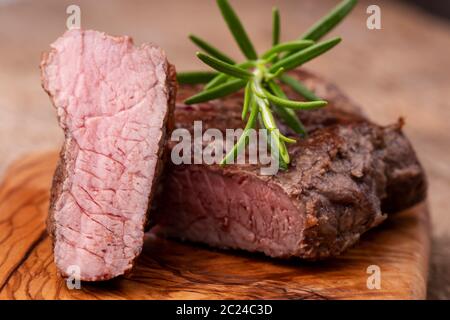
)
(401, 70)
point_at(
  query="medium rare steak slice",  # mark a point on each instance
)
(342, 180)
(113, 101)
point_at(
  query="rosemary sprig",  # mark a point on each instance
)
(260, 75)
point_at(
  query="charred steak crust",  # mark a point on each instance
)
(67, 161)
(343, 179)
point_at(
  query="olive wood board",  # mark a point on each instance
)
(169, 269)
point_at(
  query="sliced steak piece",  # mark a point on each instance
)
(113, 101)
(343, 178)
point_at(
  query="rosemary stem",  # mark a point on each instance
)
(268, 120)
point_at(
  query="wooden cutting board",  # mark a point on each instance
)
(173, 270)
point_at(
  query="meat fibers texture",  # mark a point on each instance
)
(344, 179)
(114, 101)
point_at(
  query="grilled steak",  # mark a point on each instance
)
(113, 102)
(342, 181)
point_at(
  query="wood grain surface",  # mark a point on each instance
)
(173, 270)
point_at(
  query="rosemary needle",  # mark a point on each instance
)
(287, 115)
(294, 104)
(222, 77)
(247, 100)
(224, 67)
(275, 26)
(302, 56)
(208, 48)
(236, 28)
(217, 92)
(329, 21)
(287, 46)
(196, 77)
(242, 141)
(299, 88)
